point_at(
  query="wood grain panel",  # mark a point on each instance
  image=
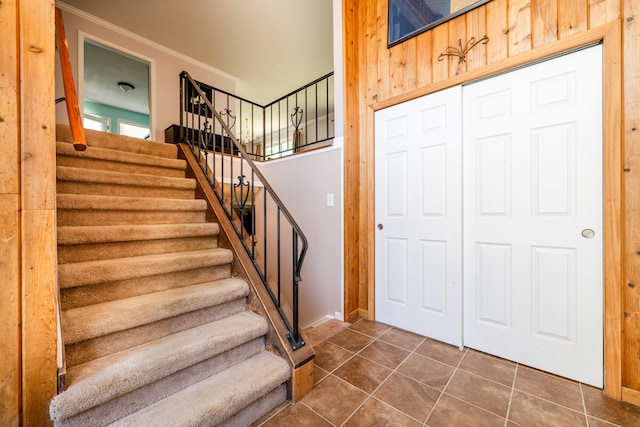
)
(396, 70)
(544, 27)
(519, 27)
(458, 38)
(9, 147)
(39, 362)
(603, 12)
(497, 31)
(383, 54)
(475, 21)
(38, 50)
(39, 333)
(10, 309)
(373, 39)
(424, 52)
(440, 42)
(409, 59)
(631, 343)
(352, 155)
(613, 211)
(572, 17)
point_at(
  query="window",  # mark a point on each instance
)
(96, 122)
(136, 130)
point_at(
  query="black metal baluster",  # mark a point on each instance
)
(278, 260)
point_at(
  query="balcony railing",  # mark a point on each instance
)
(297, 122)
(271, 237)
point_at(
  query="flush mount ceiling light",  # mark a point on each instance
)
(126, 87)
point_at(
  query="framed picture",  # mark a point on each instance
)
(408, 18)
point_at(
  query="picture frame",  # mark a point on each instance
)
(408, 18)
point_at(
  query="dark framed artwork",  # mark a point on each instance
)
(408, 18)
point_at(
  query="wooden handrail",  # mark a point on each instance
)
(75, 120)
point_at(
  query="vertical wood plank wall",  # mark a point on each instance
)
(9, 218)
(519, 31)
(27, 212)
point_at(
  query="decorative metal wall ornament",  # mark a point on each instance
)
(295, 119)
(228, 113)
(461, 52)
(241, 192)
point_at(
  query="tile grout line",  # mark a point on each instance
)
(513, 387)
(318, 414)
(445, 386)
(584, 406)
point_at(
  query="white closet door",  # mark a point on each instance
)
(532, 184)
(419, 216)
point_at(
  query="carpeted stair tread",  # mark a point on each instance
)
(97, 320)
(129, 403)
(105, 154)
(98, 202)
(67, 173)
(79, 235)
(111, 270)
(214, 399)
(96, 382)
(129, 144)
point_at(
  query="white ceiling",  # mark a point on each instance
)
(104, 69)
(271, 46)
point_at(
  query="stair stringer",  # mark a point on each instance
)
(258, 300)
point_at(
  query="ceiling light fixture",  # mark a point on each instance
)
(126, 87)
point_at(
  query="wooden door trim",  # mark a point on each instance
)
(613, 163)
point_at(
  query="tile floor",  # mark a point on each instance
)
(372, 374)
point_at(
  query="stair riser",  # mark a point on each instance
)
(80, 217)
(88, 350)
(90, 252)
(108, 165)
(118, 142)
(96, 321)
(142, 397)
(69, 187)
(104, 292)
(105, 271)
(257, 409)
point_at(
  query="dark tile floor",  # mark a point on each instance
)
(372, 374)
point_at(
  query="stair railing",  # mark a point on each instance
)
(73, 110)
(271, 237)
(296, 122)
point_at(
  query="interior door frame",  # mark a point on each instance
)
(610, 36)
(82, 37)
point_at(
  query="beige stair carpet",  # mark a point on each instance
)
(155, 328)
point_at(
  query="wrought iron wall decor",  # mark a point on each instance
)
(461, 52)
(408, 18)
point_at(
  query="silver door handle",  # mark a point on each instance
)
(588, 233)
(380, 226)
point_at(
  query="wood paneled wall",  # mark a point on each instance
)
(28, 356)
(519, 31)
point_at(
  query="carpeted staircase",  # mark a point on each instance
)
(156, 331)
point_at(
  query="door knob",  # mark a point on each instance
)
(380, 226)
(588, 233)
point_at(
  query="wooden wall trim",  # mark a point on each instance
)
(631, 126)
(614, 220)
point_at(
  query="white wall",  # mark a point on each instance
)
(167, 63)
(302, 183)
